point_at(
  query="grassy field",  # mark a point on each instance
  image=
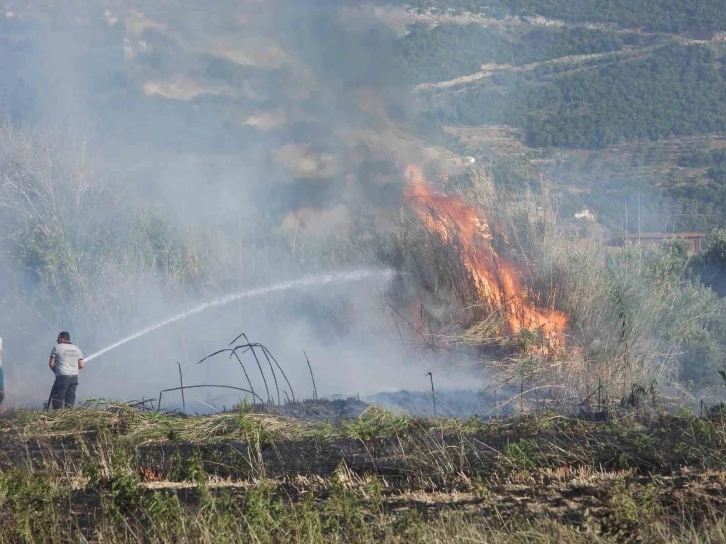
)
(113, 473)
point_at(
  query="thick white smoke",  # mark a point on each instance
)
(163, 156)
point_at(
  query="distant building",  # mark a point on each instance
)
(470, 160)
(695, 238)
(585, 215)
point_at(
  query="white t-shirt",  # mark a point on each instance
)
(66, 359)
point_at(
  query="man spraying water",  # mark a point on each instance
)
(65, 361)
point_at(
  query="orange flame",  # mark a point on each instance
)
(496, 280)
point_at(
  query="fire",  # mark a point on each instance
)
(496, 280)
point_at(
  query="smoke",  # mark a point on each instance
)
(172, 155)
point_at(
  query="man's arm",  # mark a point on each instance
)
(51, 361)
(81, 363)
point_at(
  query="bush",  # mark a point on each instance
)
(72, 231)
(636, 313)
(710, 265)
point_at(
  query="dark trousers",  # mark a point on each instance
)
(63, 393)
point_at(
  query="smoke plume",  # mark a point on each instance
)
(157, 157)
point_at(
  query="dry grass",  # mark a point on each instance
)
(636, 316)
(545, 478)
(141, 427)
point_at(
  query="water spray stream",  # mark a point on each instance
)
(323, 279)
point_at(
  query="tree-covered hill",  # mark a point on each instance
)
(665, 15)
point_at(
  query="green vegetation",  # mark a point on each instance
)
(710, 265)
(448, 51)
(669, 15)
(88, 474)
(700, 158)
(71, 232)
(645, 111)
(675, 91)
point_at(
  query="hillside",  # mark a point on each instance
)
(607, 104)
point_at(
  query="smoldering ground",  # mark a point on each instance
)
(182, 140)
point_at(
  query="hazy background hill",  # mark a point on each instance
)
(602, 101)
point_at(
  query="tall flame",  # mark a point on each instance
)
(496, 280)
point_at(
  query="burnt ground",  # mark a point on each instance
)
(604, 477)
(457, 403)
(332, 411)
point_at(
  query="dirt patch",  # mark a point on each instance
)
(497, 139)
(185, 88)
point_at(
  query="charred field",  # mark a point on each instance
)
(115, 473)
